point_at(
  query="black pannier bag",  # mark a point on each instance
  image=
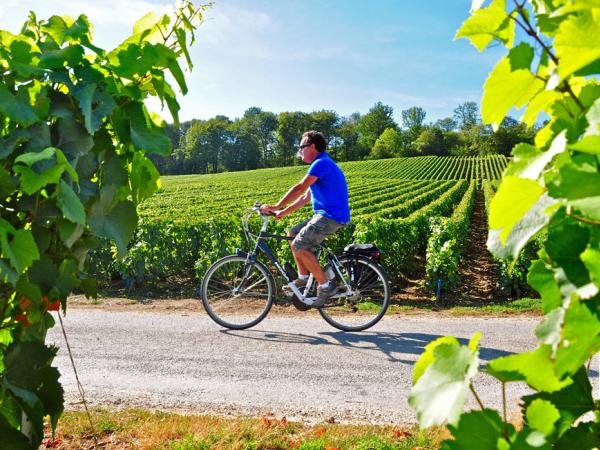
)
(368, 250)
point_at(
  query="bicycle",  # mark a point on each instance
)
(237, 290)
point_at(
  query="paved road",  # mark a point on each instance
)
(300, 368)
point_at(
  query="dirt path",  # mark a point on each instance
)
(478, 270)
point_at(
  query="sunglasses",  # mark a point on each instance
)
(303, 146)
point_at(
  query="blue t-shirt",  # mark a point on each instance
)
(330, 192)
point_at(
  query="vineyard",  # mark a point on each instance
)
(194, 219)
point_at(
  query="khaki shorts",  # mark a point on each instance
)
(311, 233)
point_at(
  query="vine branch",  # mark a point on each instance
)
(479, 402)
(528, 28)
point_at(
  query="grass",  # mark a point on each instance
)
(466, 308)
(141, 429)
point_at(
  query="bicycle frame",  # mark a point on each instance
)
(262, 246)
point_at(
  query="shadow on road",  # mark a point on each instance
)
(393, 345)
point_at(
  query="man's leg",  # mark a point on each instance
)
(302, 270)
(308, 263)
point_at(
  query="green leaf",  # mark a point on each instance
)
(74, 139)
(51, 394)
(486, 24)
(114, 222)
(426, 358)
(535, 368)
(69, 231)
(10, 143)
(32, 406)
(572, 401)
(577, 42)
(62, 160)
(7, 186)
(504, 89)
(69, 56)
(588, 144)
(542, 415)
(177, 73)
(11, 438)
(56, 28)
(33, 157)
(513, 199)
(477, 430)
(580, 336)
(32, 181)
(89, 288)
(16, 109)
(548, 330)
(67, 279)
(145, 179)
(591, 260)
(70, 204)
(528, 439)
(585, 436)
(182, 41)
(147, 22)
(21, 250)
(541, 278)
(95, 104)
(441, 391)
(529, 162)
(517, 212)
(520, 57)
(166, 93)
(566, 242)
(145, 135)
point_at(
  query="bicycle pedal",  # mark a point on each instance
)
(299, 305)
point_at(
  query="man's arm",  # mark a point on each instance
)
(293, 194)
(299, 203)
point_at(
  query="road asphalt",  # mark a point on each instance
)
(293, 366)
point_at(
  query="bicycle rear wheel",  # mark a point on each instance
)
(371, 296)
(235, 295)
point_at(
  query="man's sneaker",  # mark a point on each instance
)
(324, 294)
(300, 284)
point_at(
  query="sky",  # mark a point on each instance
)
(306, 55)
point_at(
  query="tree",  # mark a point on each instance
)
(372, 124)
(261, 125)
(290, 127)
(349, 148)
(446, 124)
(431, 142)
(412, 120)
(466, 115)
(74, 141)
(510, 133)
(550, 192)
(388, 145)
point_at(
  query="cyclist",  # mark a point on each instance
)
(324, 184)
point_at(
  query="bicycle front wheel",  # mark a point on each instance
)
(237, 295)
(370, 298)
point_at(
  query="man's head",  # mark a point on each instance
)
(311, 145)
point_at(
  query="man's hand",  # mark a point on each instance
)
(268, 209)
(280, 214)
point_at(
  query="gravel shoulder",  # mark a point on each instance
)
(175, 358)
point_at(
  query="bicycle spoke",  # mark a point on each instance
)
(234, 300)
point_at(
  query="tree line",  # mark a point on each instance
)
(262, 139)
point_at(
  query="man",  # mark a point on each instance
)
(325, 184)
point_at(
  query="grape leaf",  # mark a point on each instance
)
(577, 41)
